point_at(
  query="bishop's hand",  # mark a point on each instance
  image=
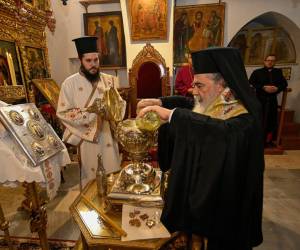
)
(163, 113)
(147, 102)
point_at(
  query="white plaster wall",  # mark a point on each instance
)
(69, 25)
(237, 13)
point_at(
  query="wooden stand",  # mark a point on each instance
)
(278, 150)
(4, 225)
(38, 214)
(91, 240)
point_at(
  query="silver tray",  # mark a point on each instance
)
(120, 195)
(35, 136)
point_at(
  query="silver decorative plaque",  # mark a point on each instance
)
(35, 136)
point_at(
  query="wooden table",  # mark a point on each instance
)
(98, 235)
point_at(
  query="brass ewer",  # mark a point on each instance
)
(136, 137)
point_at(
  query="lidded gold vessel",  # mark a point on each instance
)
(137, 136)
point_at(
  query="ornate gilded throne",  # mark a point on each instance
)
(148, 77)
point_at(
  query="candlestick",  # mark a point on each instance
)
(11, 69)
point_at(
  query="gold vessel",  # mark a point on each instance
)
(137, 143)
(138, 182)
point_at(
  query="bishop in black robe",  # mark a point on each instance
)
(215, 187)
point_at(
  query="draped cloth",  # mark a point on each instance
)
(184, 80)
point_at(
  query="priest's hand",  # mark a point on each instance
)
(270, 89)
(97, 107)
(163, 113)
(147, 102)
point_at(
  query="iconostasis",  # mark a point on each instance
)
(23, 50)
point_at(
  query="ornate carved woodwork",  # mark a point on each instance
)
(24, 25)
(147, 54)
(12, 93)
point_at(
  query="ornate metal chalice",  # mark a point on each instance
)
(137, 140)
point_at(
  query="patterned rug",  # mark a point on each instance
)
(34, 244)
(178, 243)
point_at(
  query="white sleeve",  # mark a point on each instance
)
(80, 123)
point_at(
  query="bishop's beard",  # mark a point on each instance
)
(201, 104)
(198, 106)
(91, 77)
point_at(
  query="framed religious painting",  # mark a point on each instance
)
(148, 19)
(240, 42)
(256, 43)
(49, 89)
(261, 44)
(287, 72)
(10, 67)
(108, 28)
(36, 63)
(284, 49)
(197, 27)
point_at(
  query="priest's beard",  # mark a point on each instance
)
(201, 104)
(91, 77)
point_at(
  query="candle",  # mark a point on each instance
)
(11, 69)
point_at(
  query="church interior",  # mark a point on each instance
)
(45, 202)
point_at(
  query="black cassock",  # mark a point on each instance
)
(215, 187)
(260, 78)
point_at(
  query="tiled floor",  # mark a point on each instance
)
(60, 224)
(281, 219)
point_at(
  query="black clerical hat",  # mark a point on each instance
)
(203, 62)
(86, 44)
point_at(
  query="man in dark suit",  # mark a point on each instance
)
(268, 83)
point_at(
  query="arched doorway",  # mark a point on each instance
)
(268, 33)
